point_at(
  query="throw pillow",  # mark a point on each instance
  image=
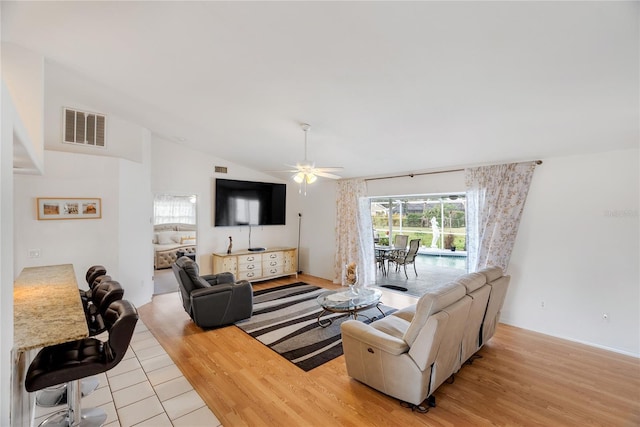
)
(164, 237)
(181, 235)
(188, 240)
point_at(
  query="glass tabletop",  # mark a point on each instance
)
(347, 300)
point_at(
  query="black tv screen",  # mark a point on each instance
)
(249, 203)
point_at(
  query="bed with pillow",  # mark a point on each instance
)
(168, 239)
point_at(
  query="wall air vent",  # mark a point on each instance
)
(220, 169)
(84, 128)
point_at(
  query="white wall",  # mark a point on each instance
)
(178, 170)
(135, 257)
(80, 242)
(119, 174)
(317, 238)
(577, 251)
(448, 182)
(23, 74)
(64, 88)
(21, 124)
(119, 240)
(6, 252)
(577, 248)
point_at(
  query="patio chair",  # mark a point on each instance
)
(408, 258)
(400, 241)
(381, 259)
(399, 248)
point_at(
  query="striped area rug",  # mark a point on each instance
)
(285, 319)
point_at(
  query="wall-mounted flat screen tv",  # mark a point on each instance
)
(249, 203)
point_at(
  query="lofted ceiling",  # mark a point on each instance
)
(388, 87)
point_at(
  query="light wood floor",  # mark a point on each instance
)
(523, 378)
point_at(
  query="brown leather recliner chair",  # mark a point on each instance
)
(212, 300)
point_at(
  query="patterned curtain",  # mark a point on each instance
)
(354, 231)
(495, 200)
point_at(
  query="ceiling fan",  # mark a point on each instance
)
(306, 172)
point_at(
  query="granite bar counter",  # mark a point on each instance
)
(47, 310)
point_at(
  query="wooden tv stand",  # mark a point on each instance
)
(255, 266)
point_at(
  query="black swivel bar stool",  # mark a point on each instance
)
(94, 274)
(54, 396)
(69, 362)
(103, 294)
(57, 395)
(87, 296)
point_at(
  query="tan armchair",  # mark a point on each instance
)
(408, 354)
(478, 290)
(499, 284)
(411, 352)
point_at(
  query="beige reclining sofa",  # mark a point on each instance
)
(410, 353)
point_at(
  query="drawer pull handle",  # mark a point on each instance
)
(273, 263)
(370, 350)
(251, 274)
(273, 256)
(251, 267)
(250, 258)
(273, 271)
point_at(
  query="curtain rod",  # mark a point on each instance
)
(411, 175)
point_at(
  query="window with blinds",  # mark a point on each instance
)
(84, 128)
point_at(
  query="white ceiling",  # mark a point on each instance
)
(388, 87)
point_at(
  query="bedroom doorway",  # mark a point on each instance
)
(174, 234)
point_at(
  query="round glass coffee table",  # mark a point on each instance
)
(348, 301)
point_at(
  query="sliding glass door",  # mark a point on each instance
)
(439, 221)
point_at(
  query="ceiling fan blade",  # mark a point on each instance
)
(329, 169)
(326, 175)
(283, 170)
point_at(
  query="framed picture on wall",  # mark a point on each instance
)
(68, 208)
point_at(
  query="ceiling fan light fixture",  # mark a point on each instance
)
(311, 178)
(299, 177)
(305, 172)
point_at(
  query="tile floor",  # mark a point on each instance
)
(145, 389)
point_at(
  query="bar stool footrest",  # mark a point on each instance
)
(90, 417)
(55, 396)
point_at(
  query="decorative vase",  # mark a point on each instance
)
(350, 277)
